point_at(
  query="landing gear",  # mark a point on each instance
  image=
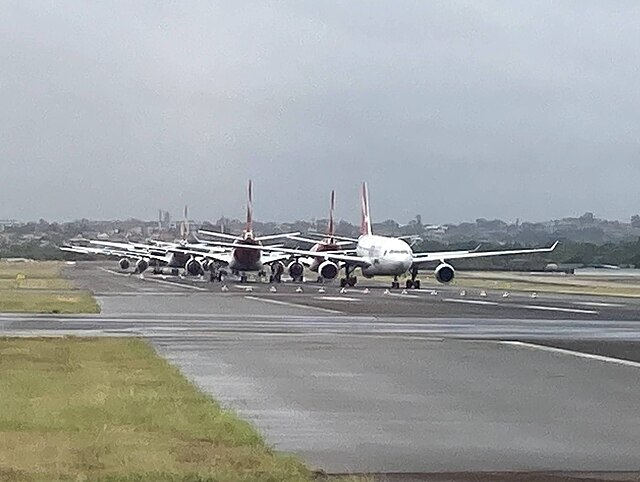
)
(413, 282)
(217, 274)
(276, 273)
(348, 280)
(395, 284)
(243, 278)
(262, 274)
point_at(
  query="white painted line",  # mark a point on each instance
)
(400, 295)
(293, 305)
(115, 272)
(526, 307)
(556, 308)
(470, 302)
(336, 298)
(172, 283)
(579, 354)
(598, 303)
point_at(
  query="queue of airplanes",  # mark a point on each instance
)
(328, 255)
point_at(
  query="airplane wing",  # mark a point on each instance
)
(327, 255)
(315, 241)
(342, 238)
(112, 252)
(274, 257)
(132, 247)
(449, 255)
(221, 257)
(446, 254)
(276, 236)
(80, 250)
(219, 235)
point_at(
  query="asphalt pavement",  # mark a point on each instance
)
(414, 383)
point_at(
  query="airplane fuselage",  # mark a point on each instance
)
(246, 259)
(388, 256)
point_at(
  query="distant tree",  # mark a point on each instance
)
(587, 218)
(635, 221)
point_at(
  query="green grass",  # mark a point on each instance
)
(37, 287)
(112, 410)
(519, 282)
(569, 285)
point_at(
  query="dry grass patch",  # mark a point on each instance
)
(111, 409)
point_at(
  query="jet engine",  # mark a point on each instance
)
(141, 265)
(124, 263)
(296, 270)
(328, 269)
(194, 267)
(444, 273)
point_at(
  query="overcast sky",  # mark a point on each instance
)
(452, 109)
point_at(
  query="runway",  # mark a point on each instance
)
(372, 382)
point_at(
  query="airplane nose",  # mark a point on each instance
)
(407, 262)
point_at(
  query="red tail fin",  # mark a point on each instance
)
(184, 226)
(331, 229)
(249, 226)
(365, 224)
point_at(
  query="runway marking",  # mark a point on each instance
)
(579, 354)
(161, 281)
(400, 295)
(337, 298)
(555, 308)
(294, 305)
(173, 283)
(471, 302)
(526, 307)
(598, 303)
(128, 275)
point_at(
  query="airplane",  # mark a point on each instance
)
(390, 256)
(246, 252)
(180, 255)
(140, 259)
(328, 243)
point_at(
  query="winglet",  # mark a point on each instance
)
(365, 225)
(554, 246)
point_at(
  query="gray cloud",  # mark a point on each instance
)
(455, 110)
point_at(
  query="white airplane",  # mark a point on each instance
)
(246, 252)
(180, 255)
(383, 255)
(140, 259)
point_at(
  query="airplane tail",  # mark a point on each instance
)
(184, 226)
(331, 229)
(249, 225)
(365, 224)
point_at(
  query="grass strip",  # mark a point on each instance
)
(37, 287)
(112, 410)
